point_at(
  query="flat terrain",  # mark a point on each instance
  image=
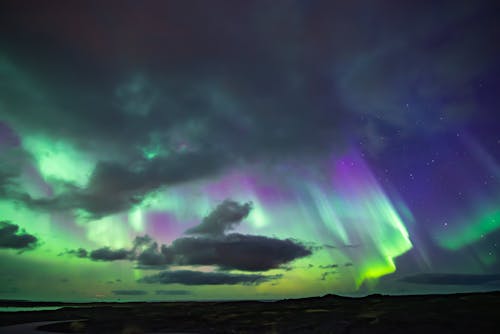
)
(460, 313)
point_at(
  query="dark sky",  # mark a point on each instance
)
(248, 149)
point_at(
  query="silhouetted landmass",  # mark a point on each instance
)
(458, 313)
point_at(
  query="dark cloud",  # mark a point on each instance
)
(155, 256)
(140, 241)
(173, 292)
(451, 279)
(113, 187)
(108, 254)
(129, 292)
(149, 254)
(80, 252)
(348, 264)
(237, 251)
(13, 237)
(233, 251)
(188, 277)
(8, 138)
(5, 180)
(12, 159)
(325, 275)
(223, 218)
(329, 266)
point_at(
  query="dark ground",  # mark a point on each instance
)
(460, 313)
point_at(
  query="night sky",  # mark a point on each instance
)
(168, 150)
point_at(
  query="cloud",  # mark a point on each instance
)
(149, 254)
(114, 187)
(129, 292)
(451, 279)
(80, 252)
(188, 277)
(325, 275)
(223, 218)
(12, 237)
(329, 266)
(154, 256)
(108, 254)
(141, 241)
(233, 251)
(173, 292)
(8, 138)
(12, 159)
(136, 97)
(237, 251)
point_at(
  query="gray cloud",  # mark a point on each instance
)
(12, 158)
(140, 241)
(151, 255)
(108, 254)
(129, 292)
(328, 266)
(173, 292)
(113, 187)
(137, 96)
(8, 138)
(223, 218)
(188, 277)
(325, 275)
(80, 252)
(12, 237)
(237, 251)
(233, 251)
(451, 279)
(155, 256)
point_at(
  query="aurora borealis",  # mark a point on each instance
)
(172, 150)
